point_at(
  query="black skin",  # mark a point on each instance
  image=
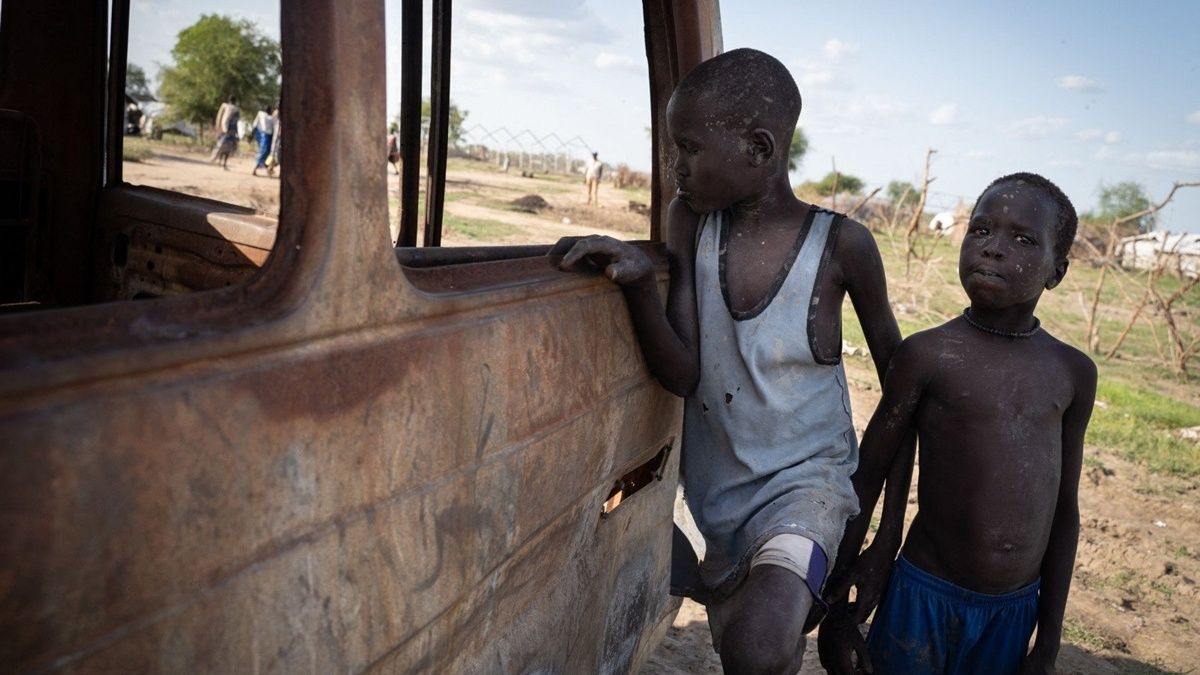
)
(1001, 423)
(743, 171)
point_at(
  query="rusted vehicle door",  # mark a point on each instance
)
(356, 460)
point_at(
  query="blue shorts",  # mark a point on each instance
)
(929, 625)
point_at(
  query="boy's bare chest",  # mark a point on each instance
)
(757, 265)
(1015, 392)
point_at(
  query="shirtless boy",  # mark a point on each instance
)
(1000, 408)
(751, 337)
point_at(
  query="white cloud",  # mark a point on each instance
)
(876, 106)
(1036, 127)
(607, 61)
(835, 50)
(815, 78)
(1099, 135)
(944, 115)
(979, 154)
(1065, 163)
(1194, 118)
(1077, 83)
(1176, 160)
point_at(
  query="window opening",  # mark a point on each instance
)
(511, 110)
(199, 105)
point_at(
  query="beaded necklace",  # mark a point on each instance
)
(1037, 325)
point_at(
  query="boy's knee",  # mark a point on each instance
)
(746, 651)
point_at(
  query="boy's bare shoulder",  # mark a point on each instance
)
(854, 239)
(919, 352)
(1081, 366)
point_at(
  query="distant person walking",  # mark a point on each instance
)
(226, 124)
(273, 160)
(591, 176)
(264, 131)
(393, 147)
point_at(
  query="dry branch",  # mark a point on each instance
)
(862, 202)
(911, 234)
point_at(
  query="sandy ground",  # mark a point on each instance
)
(1133, 606)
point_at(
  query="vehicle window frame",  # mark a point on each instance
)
(661, 65)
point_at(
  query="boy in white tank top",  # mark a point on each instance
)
(751, 338)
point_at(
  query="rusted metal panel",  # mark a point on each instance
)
(325, 468)
(684, 33)
(156, 243)
(336, 490)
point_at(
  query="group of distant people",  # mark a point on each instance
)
(266, 131)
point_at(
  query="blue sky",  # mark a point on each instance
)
(1084, 93)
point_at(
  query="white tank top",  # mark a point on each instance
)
(768, 444)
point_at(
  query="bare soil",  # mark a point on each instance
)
(1133, 605)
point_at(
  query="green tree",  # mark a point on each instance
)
(137, 84)
(845, 183)
(797, 149)
(901, 189)
(217, 57)
(457, 117)
(1124, 199)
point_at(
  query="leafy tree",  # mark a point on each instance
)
(1124, 199)
(797, 149)
(137, 84)
(845, 183)
(217, 57)
(457, 117)
(901, 189)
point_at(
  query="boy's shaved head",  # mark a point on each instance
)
(745, 89)
(1067, 221)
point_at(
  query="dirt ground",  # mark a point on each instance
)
(1133, 606)
(478, 198)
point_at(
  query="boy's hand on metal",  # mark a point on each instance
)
(840, 645)
(617, 260)
(870, 576)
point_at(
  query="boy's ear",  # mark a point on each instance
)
(762, 146)
(1060, 271)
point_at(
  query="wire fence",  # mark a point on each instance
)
(524, 150)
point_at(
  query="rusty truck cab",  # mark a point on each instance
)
(230, 442)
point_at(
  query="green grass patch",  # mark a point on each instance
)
(1137, 424)
(133, 150)
(1080, 635)
(473, 228)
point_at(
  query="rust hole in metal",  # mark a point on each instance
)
(641, 476)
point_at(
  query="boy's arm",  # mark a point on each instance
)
(889, 433)
(866, 284)
(863, 277)
(669, 337)
(1059, 559)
